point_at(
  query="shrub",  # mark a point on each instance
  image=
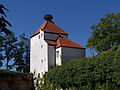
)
(94, 73)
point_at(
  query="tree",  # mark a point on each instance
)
(106, 33)
(22, 54)
(1, 49)
(8, 50)
(3, 22)
(15, 53)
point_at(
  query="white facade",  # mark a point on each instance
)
(39, 55)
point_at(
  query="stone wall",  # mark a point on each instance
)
(16, 81)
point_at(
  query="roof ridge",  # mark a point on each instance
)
(45, 24)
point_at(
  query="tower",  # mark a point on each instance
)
(50, 46)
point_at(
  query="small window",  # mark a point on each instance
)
(39, 36)
(41, 46)
(57, 53)
(41, 61)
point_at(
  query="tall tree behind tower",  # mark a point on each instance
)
(22, 54)
(9, 50)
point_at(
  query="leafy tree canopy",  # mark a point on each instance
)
(106, 33)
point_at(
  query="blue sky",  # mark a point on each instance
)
(73, 16)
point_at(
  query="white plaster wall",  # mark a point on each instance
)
(51, 56)
(38, 54)
(51, 36)
(58, 57)
(72, 53)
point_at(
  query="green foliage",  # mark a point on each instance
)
(5, 38)
(14, 52)
(8, 50)
(106, 33)
(22, 54)
(101, 72)
(1, 49)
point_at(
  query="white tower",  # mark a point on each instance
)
(49, 45)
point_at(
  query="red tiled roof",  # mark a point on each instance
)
(50, 27)
(65, 42)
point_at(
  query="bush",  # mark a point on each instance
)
(94, 73)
